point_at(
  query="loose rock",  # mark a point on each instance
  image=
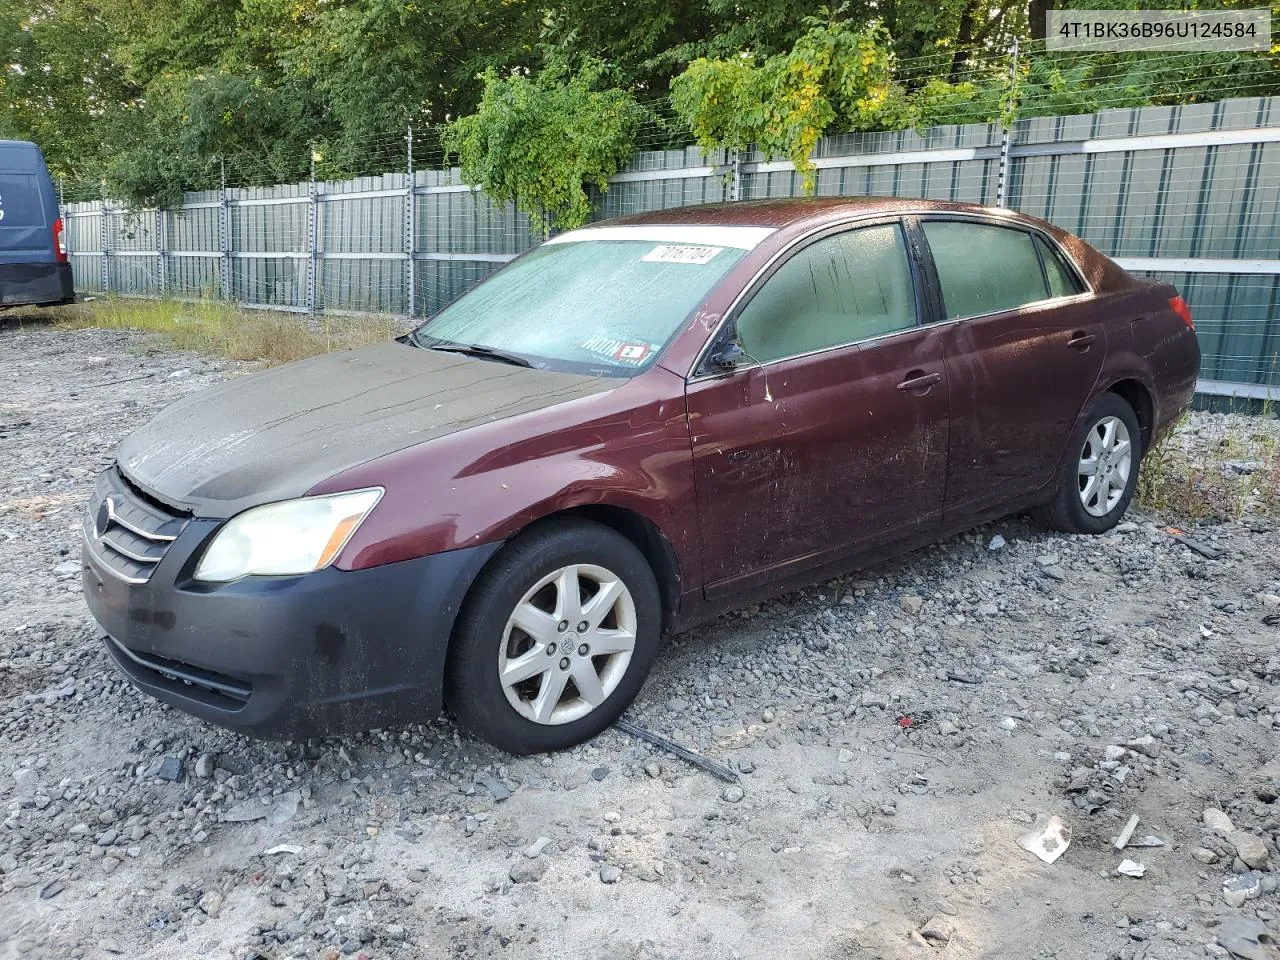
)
(528, 871)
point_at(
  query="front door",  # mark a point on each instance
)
(833, 435)
(1024, 348)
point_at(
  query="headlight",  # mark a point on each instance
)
(286, 538)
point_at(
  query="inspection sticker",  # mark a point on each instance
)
(683, 253)
(632, 352)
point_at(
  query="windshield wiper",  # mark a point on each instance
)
(481, 351)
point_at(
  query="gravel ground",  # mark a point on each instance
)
(896, 731)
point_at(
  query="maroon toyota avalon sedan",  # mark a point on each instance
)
(628, 429)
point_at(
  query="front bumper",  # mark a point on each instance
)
(284, 657)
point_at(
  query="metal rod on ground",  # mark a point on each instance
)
(713, 767)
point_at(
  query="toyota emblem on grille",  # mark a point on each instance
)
(106, 514)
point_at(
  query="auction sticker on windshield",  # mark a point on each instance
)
(683, 253)
(623, 351)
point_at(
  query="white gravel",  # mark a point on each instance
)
(1092, 678)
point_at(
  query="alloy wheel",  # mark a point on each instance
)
(1105, 463)
(567, 644)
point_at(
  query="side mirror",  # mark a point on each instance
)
(726, 356)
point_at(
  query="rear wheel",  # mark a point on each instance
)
(555, 639)
(1098, 479)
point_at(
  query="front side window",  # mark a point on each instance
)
(984, 268)
(838, 290)
(599, 306)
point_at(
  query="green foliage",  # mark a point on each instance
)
(786, 102)
(146, 98)
(196, 124)
(60, 87)
(538, 141)
(939, 102)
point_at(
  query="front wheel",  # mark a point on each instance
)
(1100, 474)
(555, 639)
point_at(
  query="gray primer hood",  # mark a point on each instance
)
(276, 434)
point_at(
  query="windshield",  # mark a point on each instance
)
(604, 306)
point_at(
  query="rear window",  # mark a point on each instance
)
(20, 202)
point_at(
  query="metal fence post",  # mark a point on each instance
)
(1002, 184)
(162, 249)
(224, 231)
(313, 237)
(410, 231)
(104, 241)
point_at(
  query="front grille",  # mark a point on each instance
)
(128, 534)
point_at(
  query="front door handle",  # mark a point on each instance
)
(918, 382)
(1081, 341)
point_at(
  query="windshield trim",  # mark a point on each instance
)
(742, 238)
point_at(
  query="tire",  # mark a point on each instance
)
(1068, 511)
(526, 582)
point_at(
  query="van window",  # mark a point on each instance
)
(20, 202)
(984, 268)
(849, 287)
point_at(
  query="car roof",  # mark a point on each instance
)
(792, 211)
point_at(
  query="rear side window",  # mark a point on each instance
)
(1062, 282)
(20, 201)
(984, 269)
(839, 290)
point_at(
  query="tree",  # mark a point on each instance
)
(63, 86)
(539, 141)
(784, 103)
(154, 96)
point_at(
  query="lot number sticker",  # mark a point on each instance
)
(671, 253)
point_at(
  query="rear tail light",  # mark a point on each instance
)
(1179, 306)
(59, 241)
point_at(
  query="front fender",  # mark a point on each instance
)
(629, 450)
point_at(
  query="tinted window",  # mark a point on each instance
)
(839, 290)
(984, 269)
(1062, 282)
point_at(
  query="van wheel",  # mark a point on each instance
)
(556, 638)
(1098, 479)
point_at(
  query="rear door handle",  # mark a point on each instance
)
(1081, 341)
(919, 382)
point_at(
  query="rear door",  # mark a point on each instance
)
(26, 230)
(1024, 346)
(833, 437)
